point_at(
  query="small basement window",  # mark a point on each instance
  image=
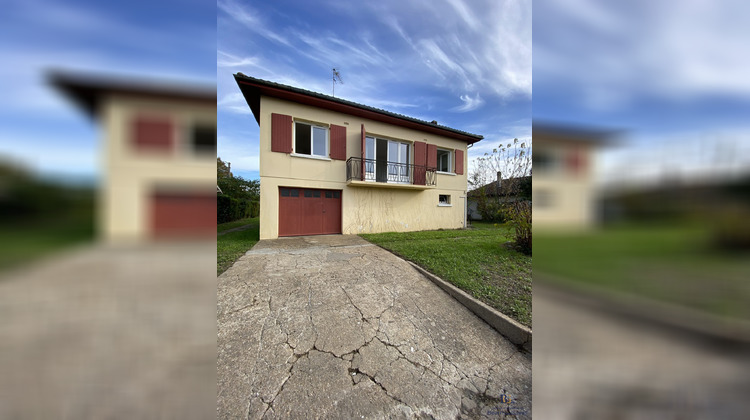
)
(444, 200)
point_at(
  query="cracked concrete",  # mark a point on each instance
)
(333, 327)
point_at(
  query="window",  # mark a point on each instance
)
(444, 200)
(387, 160)
(444, 160)
(203, 138)
(310, 139)
(543, 198)
(543, 161)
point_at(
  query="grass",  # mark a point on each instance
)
(672, 263)
(476, 260)
(25, 242)
(233, 245)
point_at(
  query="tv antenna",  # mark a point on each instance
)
(335, 77)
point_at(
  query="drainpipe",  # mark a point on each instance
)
(465, 196)
(466, 207)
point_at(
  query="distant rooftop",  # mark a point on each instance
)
(569, 132)
(252, 88)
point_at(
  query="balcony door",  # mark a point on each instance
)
(386, 161)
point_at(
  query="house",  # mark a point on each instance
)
(498, 191)
(330, 166)
(158, 157)
(564, 193)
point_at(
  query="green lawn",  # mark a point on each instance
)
(233, 245)
(26, 242)
(475, 260)
(673, 263)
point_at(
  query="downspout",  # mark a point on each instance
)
(466, 194)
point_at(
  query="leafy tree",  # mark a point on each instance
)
(513, 195)
(235, 186)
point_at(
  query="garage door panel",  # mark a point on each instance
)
(306, 211)
(176, 215)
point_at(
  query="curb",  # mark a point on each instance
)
(511, 329)
(675, 317)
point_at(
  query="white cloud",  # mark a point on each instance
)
(469, 103)
(614, 53)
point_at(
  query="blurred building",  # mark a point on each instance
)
(564, 191)
(158, 156)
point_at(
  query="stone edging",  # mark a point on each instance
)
(517, 333)
(661, 313)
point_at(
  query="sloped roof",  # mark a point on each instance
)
(88, 90)
(252, 88)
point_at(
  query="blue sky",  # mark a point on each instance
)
(40, 129)
(672, 74)
(465, 64)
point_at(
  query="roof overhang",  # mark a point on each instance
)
(88, 90)
(252, 89)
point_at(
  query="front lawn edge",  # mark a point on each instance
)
(511, 329)
(675, 317)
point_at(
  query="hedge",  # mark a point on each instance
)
(229, 209)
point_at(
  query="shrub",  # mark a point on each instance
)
(229, 209)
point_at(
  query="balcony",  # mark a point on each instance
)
(371, 173)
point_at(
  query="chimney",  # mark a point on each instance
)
(499, 180)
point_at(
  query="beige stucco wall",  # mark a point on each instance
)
(364, 209)
(570, 197)
(129, 177)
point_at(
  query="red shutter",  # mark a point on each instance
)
(281, 133)
(338, 142)
(153, 133)
(420, 160)
(362, 169)
(431, 156)
(459, 162)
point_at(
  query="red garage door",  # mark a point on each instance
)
(183, 215)
(305, 211)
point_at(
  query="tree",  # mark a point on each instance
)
(235, 186)
(513, 194)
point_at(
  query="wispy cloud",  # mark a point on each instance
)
(250, 19)
(469, 103)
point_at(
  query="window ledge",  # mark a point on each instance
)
(446, 173)
(310, 156)
(445, 205)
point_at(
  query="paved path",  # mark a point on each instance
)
(334, 327)
(237, 229)
(110, 333)
(591, 364)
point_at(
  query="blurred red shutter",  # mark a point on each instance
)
(431, 156)
(153, 133)
(362, 169)
(420, 160)
(459, 162)
(338, 142)
(281, 133)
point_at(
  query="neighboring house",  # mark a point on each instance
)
(499, 192)
(159, 156)
(564, 191)
(330, 166)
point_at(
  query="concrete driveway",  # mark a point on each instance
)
(105, 332)
(334, 327)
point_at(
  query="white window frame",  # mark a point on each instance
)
(447, 203)
(325, 155)
(370, 170)
(450, 161)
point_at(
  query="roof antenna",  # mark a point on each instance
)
(336, 77)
